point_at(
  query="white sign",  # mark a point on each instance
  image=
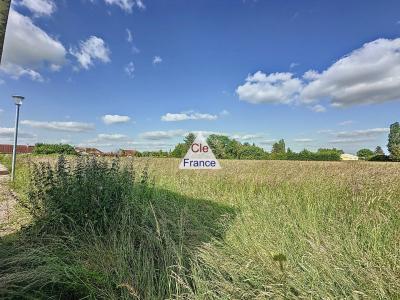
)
(199, 156)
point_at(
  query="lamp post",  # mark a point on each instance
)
(18, 101)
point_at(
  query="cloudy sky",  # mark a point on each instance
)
(141, 74)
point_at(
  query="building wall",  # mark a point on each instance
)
(8, 149)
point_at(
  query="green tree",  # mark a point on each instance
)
(189, 139)
(279, 147)
(379, 151)
(251, 152)
(365, 153)
(394, 141)
(41, 148)
(179, 150)
(218, 144)
(232, 149)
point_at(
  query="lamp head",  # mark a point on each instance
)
(18, 99)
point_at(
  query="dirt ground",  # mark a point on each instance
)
(8, 203)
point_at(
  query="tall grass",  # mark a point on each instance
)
(102, 230)
(254, 230)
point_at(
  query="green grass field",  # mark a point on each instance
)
(253, 230)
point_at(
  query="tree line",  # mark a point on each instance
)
(225, 147)
(393, 147)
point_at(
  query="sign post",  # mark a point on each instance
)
(199, 156)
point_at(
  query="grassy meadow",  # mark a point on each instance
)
(252, 230)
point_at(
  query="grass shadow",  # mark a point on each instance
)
(147, 251)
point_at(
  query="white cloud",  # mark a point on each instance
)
(373, 132)
(64, 141)
(112, 137)
(39, 7)
(103, 138)
(367, 75)
(303, 140)
(345, 123)
(114, 119)
(205, 133)
(161, 135)
(127, 5)
(293, 65)
(318, 108)
(94, 48)
(151, 145)
(16, 71)
(130, 70)
(157, 60)
(351, 141)
(246, 137)
(268, 142)
(55, 67)
(170, 117)
(270, 88)
(129, 36)
(28, 48)
(59, 126)
(224, 113)
(324, 131)
(9, 133)
(311, 75)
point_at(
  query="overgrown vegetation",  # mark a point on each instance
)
(377, 155)
(394, 141)
(65, 149)
(102, 230)
(253, 230)
(224, 147)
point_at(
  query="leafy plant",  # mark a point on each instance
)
(365, 154)
(394, 141)
(87, 190)
(41, 148)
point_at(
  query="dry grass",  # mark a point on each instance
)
(300, 229)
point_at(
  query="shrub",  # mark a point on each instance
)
(365, 154)
(320, 155)
(179, 150)
(394, 141)
(251, 152)
(88, 190)
(379, 157)
(159, 153)
(103, 231)
(65, 149)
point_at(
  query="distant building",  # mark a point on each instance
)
(346, 156)
(123, 152)
(8, 149)
(88, 151)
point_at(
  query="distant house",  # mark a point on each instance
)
(8, 149)
(88, 151)
(346, 156)
(123, 152)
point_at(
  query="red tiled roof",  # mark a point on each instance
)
(8, 149)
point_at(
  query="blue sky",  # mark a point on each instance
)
(140, 74)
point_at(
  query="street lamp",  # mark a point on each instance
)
(18, 101)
